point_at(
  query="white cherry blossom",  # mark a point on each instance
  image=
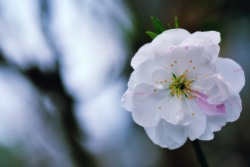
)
(181, 89)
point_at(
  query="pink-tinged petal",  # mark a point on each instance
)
(214, 86)
(209, 109)
(167, 135)
(231, 72)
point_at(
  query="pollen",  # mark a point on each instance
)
(190, 61)
(155, 90)
(194, 68)
(180, 86)
(193, 113)
(159, 108)
(165, 81)
(171, 65)
(175, 61)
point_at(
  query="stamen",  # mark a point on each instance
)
(192, 112)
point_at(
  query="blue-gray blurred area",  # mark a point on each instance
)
(64, 65)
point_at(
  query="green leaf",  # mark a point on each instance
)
(176, 22)
(152, 35)
(159, 28)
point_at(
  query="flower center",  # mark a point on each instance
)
(180, 86)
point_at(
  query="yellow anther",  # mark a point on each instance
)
(165, 81)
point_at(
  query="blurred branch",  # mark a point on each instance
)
(52, 82)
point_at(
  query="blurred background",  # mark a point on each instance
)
(64, 65)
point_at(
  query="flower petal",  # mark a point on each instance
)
(197, 124)
(142, 55)
(146, 103)
(214, 87)
(167, 135)
(172, 113)
(233, 106)
(214, 123)
(161, 78)
(209, 109)
(209, 40)
(171, 37)
(142, 74)
(126, 101)
(232, 72)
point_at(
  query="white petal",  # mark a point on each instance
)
(207, 135)
(171, 37)
(209, 40)
(232, 72)
(161, 78)
(164, 40)
(214, 123)
(142, 55)
(178, 59)
(172, 113)
(126, 101)
(143, 74)
(218, 91)
(146, 103)
(233, 106)
(197, 124)
(167, 135)
(198, 37)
